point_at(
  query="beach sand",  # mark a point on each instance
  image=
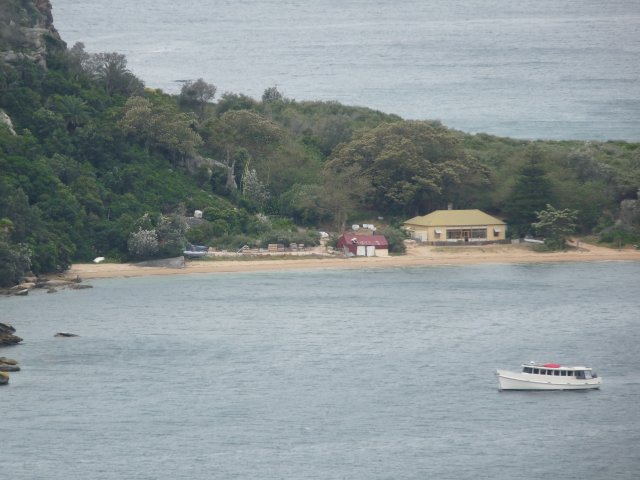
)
(416, 256)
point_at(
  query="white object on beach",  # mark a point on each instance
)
(98, 259)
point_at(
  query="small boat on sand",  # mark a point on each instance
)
(548, 376)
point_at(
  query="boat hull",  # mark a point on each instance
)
(522, 381)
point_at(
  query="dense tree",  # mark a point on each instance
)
(73, 110)
(556, 225)
(110, 70)
(272, 94)
(531, 193)
(343, 191)
(253, 188)
(240, 137)
(143, 244)
(15, 262)
(234, 101)
(164, 236)
(197, 94)
(413, 166)
(160, 126)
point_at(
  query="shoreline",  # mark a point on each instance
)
(416, 257)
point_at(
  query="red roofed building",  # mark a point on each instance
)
(363, 245)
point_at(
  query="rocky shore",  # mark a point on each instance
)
(51, 285)
(7, 337)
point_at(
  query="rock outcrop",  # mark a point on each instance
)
(7, 365)
(7, 336)
(65, 334)
(6, 120)
(50, 284)
(27, 31)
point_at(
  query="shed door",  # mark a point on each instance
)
(371, 251)
(361, 251)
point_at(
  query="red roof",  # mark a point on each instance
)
(552, 365)
(353, 239)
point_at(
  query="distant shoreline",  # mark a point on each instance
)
(415, 257)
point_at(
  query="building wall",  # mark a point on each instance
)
(377, 251)
(438, 235)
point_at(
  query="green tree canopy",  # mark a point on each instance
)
(161, 126)
(412, 166)
(197, 94)
(531, 193)
(556, 225)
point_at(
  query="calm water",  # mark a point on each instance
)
(529, 69)
(380, 374)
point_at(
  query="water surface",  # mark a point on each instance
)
(372, 374)
(527, 69)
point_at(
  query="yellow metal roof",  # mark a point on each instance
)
(454, 218)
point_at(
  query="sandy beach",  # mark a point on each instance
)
(416, 256)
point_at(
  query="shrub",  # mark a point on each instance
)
(143, 244)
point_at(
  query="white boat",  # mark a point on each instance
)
(548, 376)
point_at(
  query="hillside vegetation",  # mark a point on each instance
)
(92, 163)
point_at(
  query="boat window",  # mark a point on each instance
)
(556, 373)
(527, 370)
(563, 373)
(587, 374)
(536, 371)
(570, 373)
(580, 374)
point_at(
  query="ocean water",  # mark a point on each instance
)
(370, 374)
(529, 69)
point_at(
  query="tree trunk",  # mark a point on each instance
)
(231, 176)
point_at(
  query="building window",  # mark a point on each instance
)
(478, 233)
(454, 234)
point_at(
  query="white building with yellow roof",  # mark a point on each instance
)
(445, 227)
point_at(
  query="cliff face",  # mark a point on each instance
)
(27, 31)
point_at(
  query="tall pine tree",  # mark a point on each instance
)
(531, 193)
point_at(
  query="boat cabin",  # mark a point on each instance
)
(556, 370)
